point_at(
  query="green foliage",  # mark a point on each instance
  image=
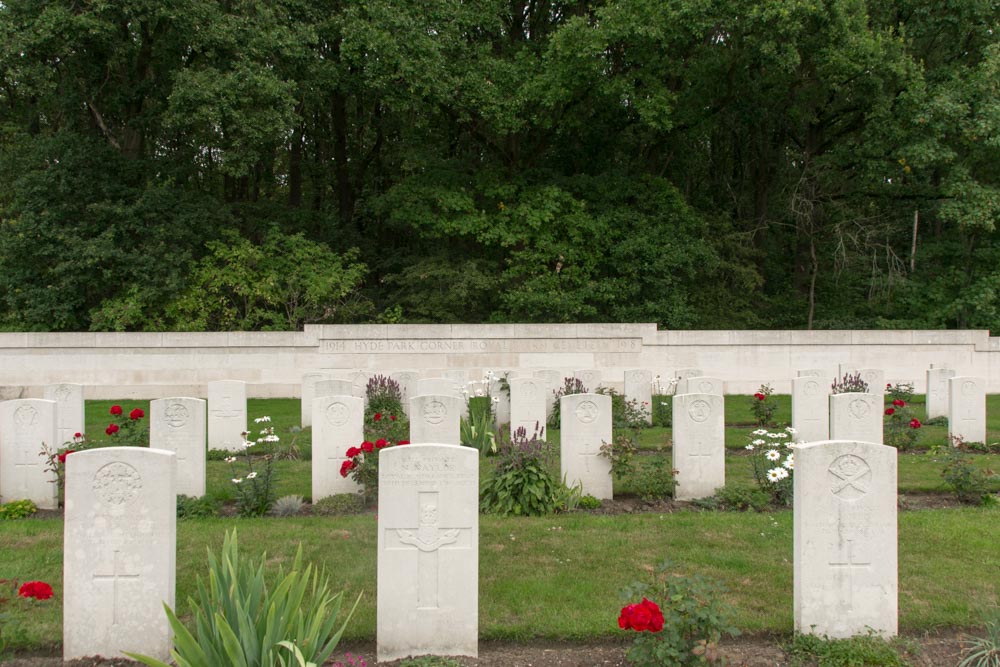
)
(254, 488)
(384, 398)
(663, 410)
(983, 651)
(477, 430)
(17, 509)
(901, 427)
(652, 477)
(339, 504)
(570, 386)
(430, 661)
(773, 463)
(901, 391)
(621, 453)
(190, 507)
(762, 406)
(240, 620)
(589, 502)
(521, 484)
(969, 483)
(742, 499)
(863, 651)
(695, 617)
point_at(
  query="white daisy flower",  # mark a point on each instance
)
(774, 474)
(237, 480)
(272, 438)
(773, 455)
(772, 435)
(758, 441)
(782, 473)
(789, 464)
(780, 435)
(251, 475)
(248, 443)
(749, 447)
(260, 420)
(230, 459)
(789, 429)
(496, 399)
(761, 431)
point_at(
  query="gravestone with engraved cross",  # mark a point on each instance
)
(811, 407)
(845, 563)
(585, 424)
(307, 395)
(967, 408)
(699, 451)
(701, 384)
(428, 551)
(70, 411)
(338, 424)
(443, 386)
(527, 405)
(856, 416)
(25, 425)
(407, 381)
(639, 388)
(119, 552)
(178, 425)
(937, 391)
(590, 377)
(227, 414)
(436, 418)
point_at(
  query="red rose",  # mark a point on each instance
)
(62, 457)
(888, 385)
(116, 410)
(346, 467)
(136, 414)
(352, 452)
(111, 429)
(899, 403)
(890, 411)
(915, 423)
(77, 436)
(35, 589)
(367, 446)
(655, 615)
(380, 443)
(403, 442)
(378, 416)
(645, 616)
(392, 417)
(759, 396)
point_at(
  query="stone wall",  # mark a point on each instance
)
(149, 365)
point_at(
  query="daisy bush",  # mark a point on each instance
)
(773, 458)
(254, 488)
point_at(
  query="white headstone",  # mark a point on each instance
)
(70, 415)
(856, 416)
(500, 398)
(428, 552)
(435, 418)
(585, 424)
(811, 407)
(120, 552)
(812, 372)
(937, 391)
(338, 424)
(407, 385)
(227, 414)
(875, 377)
(639, 387)
(458, 375)
(590, 377)
(309, 381)
(553, 380)
(699, 448)
(685, 373)
(178, 425)
(967, 408)
(845, 547)
(527, 405)
(701, 384)
(334, 387)
(25, 425)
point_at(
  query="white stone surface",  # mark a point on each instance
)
(428, 552)
(338, 424)
(407, 380)
(119, 552)
(307, 395)
(875, 377)
(967, 408)
(335, 387)
(856, 416)
(590, 377)
(25, 425)
(457, 375)
(435, 418)
(70, 410)
(937, 392)
(701, 384)
(699, 448)
(227, 414)
(685, 373)
(639, 387)
(178, 425)
(812, 372)
(811, 407)
(527, 405)
(585, 424)
(440, 386)
(845, 539)
(553, 380)
(501, 400)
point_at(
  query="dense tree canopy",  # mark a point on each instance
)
(261, 164)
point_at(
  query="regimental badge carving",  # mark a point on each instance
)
(176, 415)
(587, 412)
(812, 388)
(337, 414)
(705, 387)
(700, 411)
(859, 408)
(968, 388)
(62, 393)
(530, 391)
(25, 417)
(117, 483)
(435, 412)
(850, 477)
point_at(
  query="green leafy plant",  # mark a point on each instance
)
(191, 507)
(570, 386)
(338, 504)
(742, 499)
(589, 502)
(254, 488)
(621, 453)
(55, 461)
(762, 406)
(477, 431)
(287, 506)
(858, 651)
(391, 427)
(362, 464)
(773, 463)
(652, 477)
(849, 384)
(521, 484)
(17, 509)
(969, 483)
(569, 498)
(684, 628)
(901, 425)
(430, 661)
(983, 651)
(902, 391)
(384, 397)
(239, 620)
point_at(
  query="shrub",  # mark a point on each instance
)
(339, 503)
(238, 620)
(621, 452)
(191, 507)
(384, 397)
(687, 628)
(901, 391)
(969, 483)
(362, 464)
(521, 484)
(17, 509)
(653, 477)
(570, 386)
(849, 384)
(742, 499)
(862, 650)
(663, 410)
(901, 426)
(254, 488)
(773, 463)
(762, 406)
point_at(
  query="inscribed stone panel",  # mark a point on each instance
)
(338, 423)
(119, 552)
(967, 409)
(811, 407)
(699, 446)
(227, 414)
(25, 425)
(845, 545)
(937, 391)
(590, 377)
(436, 418)
(70, 414)
(428, 551)
(178, 425)
(856, 416)
(308, 393)
(585, 424)
(701, 384)
(527, 405)
(639, 387)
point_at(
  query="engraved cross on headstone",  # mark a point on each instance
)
(700, 459)
(113, 578)
(428, 538)
(588, 453)
(850, 565)
(28, 464)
